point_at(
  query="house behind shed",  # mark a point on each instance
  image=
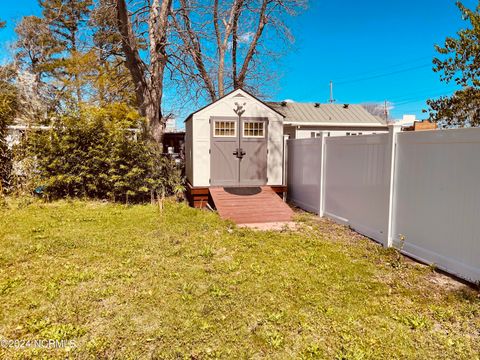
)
(306, 120)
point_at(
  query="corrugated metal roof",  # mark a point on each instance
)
(325, 113)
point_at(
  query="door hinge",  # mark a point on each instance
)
(209, 121)
(267, 179)
(209, 181)
(209, 151)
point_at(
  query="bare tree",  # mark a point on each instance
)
(231, 44)
(147, 75)
(381, 110)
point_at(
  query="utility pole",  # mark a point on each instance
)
(332, 100)
(385, 110)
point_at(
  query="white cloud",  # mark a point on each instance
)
(246, 38)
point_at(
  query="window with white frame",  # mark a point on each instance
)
(224, 128)
(254, 129)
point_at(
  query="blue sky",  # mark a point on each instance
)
(354, 43)
(372, 50)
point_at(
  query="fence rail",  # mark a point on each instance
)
(417, 191)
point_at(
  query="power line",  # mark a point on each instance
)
(382, 68)
(424, 92)
(384, 75)
(417, 99)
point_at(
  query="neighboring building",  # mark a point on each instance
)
(15, 133)
(305, 120)
(174, 142)
(171, 125)
(410, 123)
(423, 125)
(407, 120)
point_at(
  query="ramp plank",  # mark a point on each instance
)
(264, 207)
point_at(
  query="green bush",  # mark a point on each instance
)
(94, 154)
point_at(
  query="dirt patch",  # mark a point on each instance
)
(271, 226)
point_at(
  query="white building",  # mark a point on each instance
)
(305, 120)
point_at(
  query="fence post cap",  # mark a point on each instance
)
(394, 128)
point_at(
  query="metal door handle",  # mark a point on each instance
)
(239, 153)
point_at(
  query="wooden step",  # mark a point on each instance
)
(264, 207)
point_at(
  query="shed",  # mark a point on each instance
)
(234, 141)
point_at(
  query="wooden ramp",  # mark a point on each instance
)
(265, 207)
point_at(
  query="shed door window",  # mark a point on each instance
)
(224, 129)
(254, 129)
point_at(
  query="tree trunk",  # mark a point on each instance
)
(152, 112)
(148, 79)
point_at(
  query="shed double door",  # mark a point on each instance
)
(238, 155)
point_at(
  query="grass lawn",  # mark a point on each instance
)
(133, 282)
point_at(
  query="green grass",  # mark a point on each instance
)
(134, 282)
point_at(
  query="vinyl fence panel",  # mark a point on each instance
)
(304, 165)
(437, 199)
(418, 191)
(357, 183)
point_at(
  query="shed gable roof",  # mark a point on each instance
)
(325, 113)
(238, 93)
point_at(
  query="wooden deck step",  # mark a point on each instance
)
(264, 207)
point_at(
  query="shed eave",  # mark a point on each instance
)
(231, 92)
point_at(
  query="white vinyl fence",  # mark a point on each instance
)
(305, 155)
(417, 191)
(357, 183)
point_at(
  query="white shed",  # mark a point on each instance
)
(234, 141)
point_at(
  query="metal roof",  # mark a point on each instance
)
(317, 113)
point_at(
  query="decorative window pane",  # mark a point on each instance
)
(224, 128)
(253, 129)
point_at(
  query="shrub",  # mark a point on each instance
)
(96, 154)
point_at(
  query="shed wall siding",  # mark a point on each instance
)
(275, 152)
(201, 151)
(189, 150)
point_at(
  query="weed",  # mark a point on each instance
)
(207, 252)
(414, 322)
(274, 339)
(218, 292)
